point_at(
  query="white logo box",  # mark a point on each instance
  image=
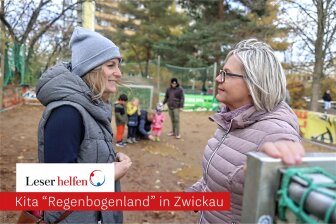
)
(65, 177)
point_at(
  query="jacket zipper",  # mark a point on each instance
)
(208, 164)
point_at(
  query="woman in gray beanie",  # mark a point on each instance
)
(76, 124)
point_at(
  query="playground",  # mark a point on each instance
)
(169, 165)
(189, 41)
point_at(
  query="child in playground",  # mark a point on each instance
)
(133, 119)
(120, 118)
(158, 120)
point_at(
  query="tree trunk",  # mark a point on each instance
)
(3, 49)
(220, 9)
(146, 68)
(140, 67)
(148, 56)
(204, 79)
(137, 58)
(319, 57)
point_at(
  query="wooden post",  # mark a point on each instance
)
(214, 82)
(158, 76)
(88, 15)
(2, 48)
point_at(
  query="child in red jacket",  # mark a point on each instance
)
(121, 119)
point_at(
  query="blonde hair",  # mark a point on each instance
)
(265, 77)
(96, 80)
(150, 115)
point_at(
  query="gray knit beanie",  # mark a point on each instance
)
(89, 50)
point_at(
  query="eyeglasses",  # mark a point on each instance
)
(223, 73)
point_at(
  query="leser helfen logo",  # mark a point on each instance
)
(97, 178)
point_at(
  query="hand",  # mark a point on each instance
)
(290, 153)
(150, 137)
(122, 166)
(122, 156)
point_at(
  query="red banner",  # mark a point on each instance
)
(127, 201)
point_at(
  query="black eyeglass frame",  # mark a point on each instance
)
(223, 73)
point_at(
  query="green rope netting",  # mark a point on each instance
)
(14, 61)
(198, 80)
(194, 80)
(187, 73)
(206, 69)
(188, 69)
(285, 202)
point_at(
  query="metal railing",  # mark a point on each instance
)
(313, 195)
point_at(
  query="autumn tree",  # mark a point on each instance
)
(314, 23)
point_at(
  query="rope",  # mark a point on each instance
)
(285, 202)
(329, 212)
(189, 68)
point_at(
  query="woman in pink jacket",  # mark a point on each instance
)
(252, 85)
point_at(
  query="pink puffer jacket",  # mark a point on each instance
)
(225, 154)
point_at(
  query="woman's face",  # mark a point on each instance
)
(233, 92)
(112, 74)
(173, 85)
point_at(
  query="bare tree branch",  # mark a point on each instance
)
(319, 42)
(304, 37)
(333, 3)
(330, 39)
(305, 10)
(23, 11)
(295, 26)
(8, 26)
(27, 22)
(331, 24)
(47, 26)
(329, 57)
(58, 47)
(33, 19)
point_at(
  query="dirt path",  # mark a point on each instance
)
(169, 165)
